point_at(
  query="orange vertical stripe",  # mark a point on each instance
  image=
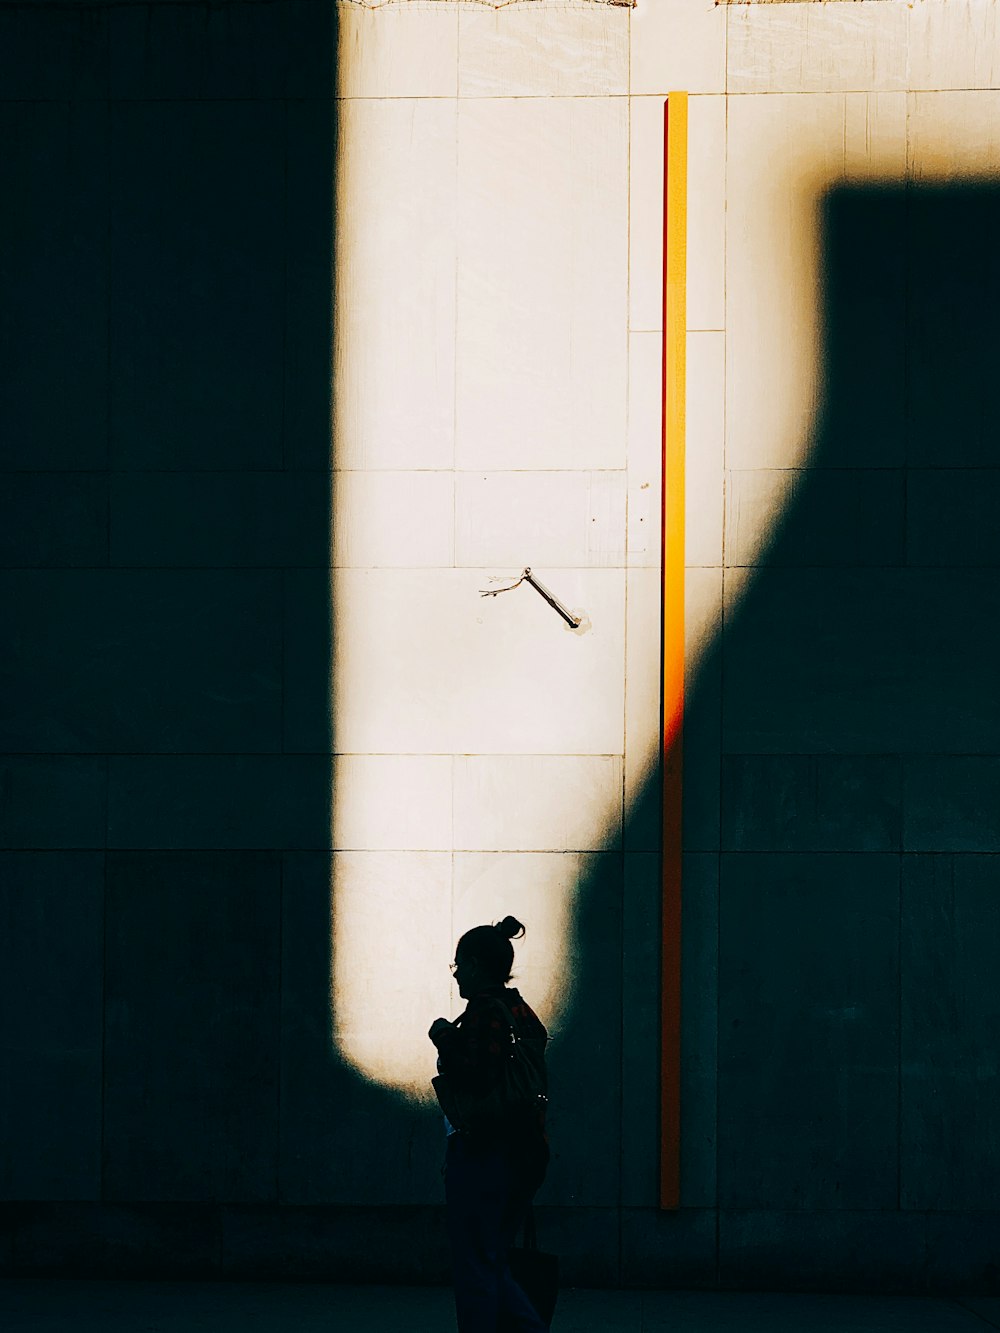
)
(674, 364)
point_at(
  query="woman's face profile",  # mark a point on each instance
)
(469, 975)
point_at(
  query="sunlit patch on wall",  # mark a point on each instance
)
(809, 2)
(481, 260)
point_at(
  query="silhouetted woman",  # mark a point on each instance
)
(489, 1182)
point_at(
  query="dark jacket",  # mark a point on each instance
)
(473, 1052)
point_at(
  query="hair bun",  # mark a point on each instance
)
(510, 927)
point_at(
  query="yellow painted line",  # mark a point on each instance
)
(675, 118)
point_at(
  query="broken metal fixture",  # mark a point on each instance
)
(574, 622)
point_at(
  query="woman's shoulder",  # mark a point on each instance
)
(523, 1014)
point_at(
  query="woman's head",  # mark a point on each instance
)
(485, 956)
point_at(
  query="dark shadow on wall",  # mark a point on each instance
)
(841, 902)
(165, 511)
(165, 538)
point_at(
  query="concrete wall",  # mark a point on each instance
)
(166, 518)
(269, 752)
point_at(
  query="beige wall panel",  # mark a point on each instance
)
(393, 518)
(397, 50)
(704, 471)
(645, 448)
(538, 51)
(532, 802)
(542, 283)
(425, 665)
(706, 233)
(645, 223)
(706, 399)
(386, 802)
(394, 289)
(807, 48)
(392, 945)
(678, 45)
(553, 519)
(954, 44)
(755, 502)
(784, 152)
(706, 213)
(953, 135)
(540, 890)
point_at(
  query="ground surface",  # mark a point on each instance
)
(64, 1306)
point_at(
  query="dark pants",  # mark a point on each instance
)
(487, 1193)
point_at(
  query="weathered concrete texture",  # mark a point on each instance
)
(950, 1008)
(199, 668)
(640, 1084)
(829, 1250)
(244, 52)
(962, 1255)
(53, 519)
(51, 951)
(801, 49)
(584, 1054)
(306, 726)
(185, 247)
(703, 721)
(880, 661)
(142, 660)
(57, 700)
(951, 803)
(866, 360)
(205, 347)
(315, 1307)
(218, 801)
(56, 295)
(808, 1031)
(875, 1252)
(668, 1249)
(172, 519)
(950, 516)
(336, 1124)
(54, 55)
(131, 1240)
(162, 52)
(329, 1244)
(192, 1026)
(945, 338)
(586, 1241)
(849, 516)
(699, 1032)
(310, 147)
(811, 803)
(53, 800)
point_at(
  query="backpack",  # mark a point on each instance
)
(513, 1109)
